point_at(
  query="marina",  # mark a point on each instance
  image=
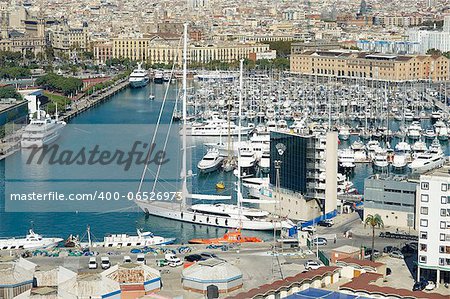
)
(133, 100)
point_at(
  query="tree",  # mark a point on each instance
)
(283, 48)
(434, 52)
(9, 92)
(373, 221)
(447, 54)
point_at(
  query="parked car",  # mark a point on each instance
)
(105, 263)
(368, 253)
(430, 286)
(193, 258)
(325, 223)
(396, 254)
(312, 265)
(140, 259)
(309, 229)
(420, 285)
(389, 249)
(93, 263)
(171, 258)
(320, 241)
(126, 259)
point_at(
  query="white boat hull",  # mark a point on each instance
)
(164, 210)
(139, 83)
(46, 140)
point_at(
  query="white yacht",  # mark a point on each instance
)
(419, 146)
(246, 162)
(399, 161)
(141, 239)
(139, 77)
(31, 241)
(346, 159)
(427, 161)
(210, 162)
(414, 130)
(403, 146)
(380, 161)
(215, 127)
(344, 133)
(158, 77)
(41, 131)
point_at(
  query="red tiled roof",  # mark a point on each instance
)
(363, 283)
(299, 278)
(362, 263)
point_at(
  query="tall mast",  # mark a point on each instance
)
(241, 65)
(184, 145)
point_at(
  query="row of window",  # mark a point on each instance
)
(442, 224)
(426, 198)
(426, 186)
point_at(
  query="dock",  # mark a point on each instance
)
(90, 101)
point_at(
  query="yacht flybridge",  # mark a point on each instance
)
(219, 215)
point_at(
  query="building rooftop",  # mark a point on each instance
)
(347, 249)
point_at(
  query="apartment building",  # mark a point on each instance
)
(377, 66)
(434, 224)
(65, 39)
(431, 39)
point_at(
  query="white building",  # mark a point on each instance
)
(434, 221)
(426, 39)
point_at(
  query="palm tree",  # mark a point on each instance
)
(373, 221)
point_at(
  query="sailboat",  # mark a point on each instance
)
(219, 214)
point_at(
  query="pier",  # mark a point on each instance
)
(11, 143)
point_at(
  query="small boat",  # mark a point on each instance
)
(151, 97)
(229, 237)
(210, 162)
(220, 185)
(31, 241)
(142, 239)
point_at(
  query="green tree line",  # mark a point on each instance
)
(65, 85)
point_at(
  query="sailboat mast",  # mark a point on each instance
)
(184, 145)
(241, 65)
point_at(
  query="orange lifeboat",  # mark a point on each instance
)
(229, 237)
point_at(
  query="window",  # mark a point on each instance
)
(444, 187)
(443, 199)
(441, 237)
(443, 224)
(423, 235)
(424, 198)
(424, 210)
(443, 212)
(424, 223)
(441, 262)
(424, 186)
(423, 247)
(422, 259)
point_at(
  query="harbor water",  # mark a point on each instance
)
(132, 106)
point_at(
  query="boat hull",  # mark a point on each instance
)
(164, 210)
(139, 83)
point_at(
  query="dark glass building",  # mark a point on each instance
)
(296, 154)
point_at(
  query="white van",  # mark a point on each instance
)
(140, 259)
(126, 259)
(105, 262)
(93, 263)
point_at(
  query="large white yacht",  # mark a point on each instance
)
(142, 239)
(428, 160)
(42, 130)
(210, 162)
(346, 159)
(215, 127)
(31, 241)
(139, 77)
